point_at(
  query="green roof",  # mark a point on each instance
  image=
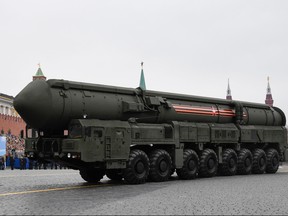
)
(142, 81)
(39, 72)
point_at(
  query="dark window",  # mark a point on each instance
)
(75, 131)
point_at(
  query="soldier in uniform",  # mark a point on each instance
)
(22, 163)
(2, 163)
(30, 164)
(25, 159)
(12, 158)
(12, 162)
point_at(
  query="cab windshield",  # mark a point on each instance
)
(75, 131)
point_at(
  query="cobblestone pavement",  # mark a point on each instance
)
(64, 192)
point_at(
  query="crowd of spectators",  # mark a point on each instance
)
(15, 147)
(15, 150)
(16, 143)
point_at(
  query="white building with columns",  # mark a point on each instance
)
(6, 105)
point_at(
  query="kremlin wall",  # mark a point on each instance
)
(11, 124)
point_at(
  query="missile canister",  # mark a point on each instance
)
(52, 104)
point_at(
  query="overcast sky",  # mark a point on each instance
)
(189, 47)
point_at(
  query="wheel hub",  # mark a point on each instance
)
(247, 162)
(262, 161)
(139, 168)
(191, 165)
(211, 163)
(275, 161)
(232, 163)
(163, 166)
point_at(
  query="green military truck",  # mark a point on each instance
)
(139, 135)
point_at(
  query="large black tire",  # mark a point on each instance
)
(160, 165)
(229, 163)
(92, 175)
(245, 161)
(137, 169)
(114, 174)
(259, 161)
(273, 160)
(190, 166)
(208, 163)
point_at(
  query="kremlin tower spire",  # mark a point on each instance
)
(228, 96)
(269, 100)
(142, 79)
(39, 74)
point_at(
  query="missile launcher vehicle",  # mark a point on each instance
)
(139, 135)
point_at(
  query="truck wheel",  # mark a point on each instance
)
(190, 165)
(137, 169)
(114, 174)
(272, 160)
(92, 175)
(259, 161)
(245, 159)
(208, 163)
(229, 164)
(160, 165)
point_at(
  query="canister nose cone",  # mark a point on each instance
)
(34, 103)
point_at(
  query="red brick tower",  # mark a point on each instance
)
(269, 100)
(228, 96)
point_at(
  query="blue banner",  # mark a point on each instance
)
(2, 145)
